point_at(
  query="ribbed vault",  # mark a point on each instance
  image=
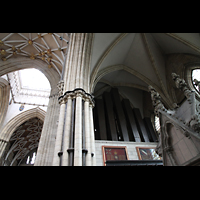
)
(142, 54)
(48, 47)
(24, 139)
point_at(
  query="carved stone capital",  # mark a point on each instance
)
(78, 92)
(61, 101)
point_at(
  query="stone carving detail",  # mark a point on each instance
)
(156, 100)
(159, 146)
(198, 108)
(197, 84)
(78, 92)
(181, 84)
(60, 87)
(194, 123)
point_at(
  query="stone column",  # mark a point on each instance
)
(87, 133)
(44, 155)
(69, 137)
(78, 132)
(77, 68)
(92, 140)
(67, 128)
(58, 143)
(76, 87)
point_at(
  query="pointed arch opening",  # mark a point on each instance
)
(28, 127)
(123, 107)
(23, 143)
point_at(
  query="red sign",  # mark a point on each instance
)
(114, 153)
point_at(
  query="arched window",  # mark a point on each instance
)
(192, 77)
(196, 79)
(157, 124)
(155, 120)
(31, 158)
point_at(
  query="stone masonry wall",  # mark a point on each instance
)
(131, 148)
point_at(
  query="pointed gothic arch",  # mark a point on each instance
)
(19, 63)
(10, 127)
(4, 98)
(114, 68)
(15, 122)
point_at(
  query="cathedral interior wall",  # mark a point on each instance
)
(131, 149)
(99, 95)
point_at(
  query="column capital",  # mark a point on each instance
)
(78, 92)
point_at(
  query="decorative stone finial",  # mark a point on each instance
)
(156, 100)
(181, 84)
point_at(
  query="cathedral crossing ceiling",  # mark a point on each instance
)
(49, 47)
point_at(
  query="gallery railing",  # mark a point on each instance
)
(134, 163)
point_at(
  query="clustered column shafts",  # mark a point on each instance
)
(47, 139)
(87, 132)
(77, 69)
(67, 128)
(78, 132)
(79, 105)
(56, 159)
(75, 135)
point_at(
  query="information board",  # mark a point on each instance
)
(114, 153)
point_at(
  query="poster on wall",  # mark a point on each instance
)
(146, 153)
(114, 153)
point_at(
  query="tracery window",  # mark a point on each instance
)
(22, 146)
(31, 159)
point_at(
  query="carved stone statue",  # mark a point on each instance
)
(156, 100)
(181, 84)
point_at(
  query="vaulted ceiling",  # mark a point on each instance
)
(136, 60)
(49, 47)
